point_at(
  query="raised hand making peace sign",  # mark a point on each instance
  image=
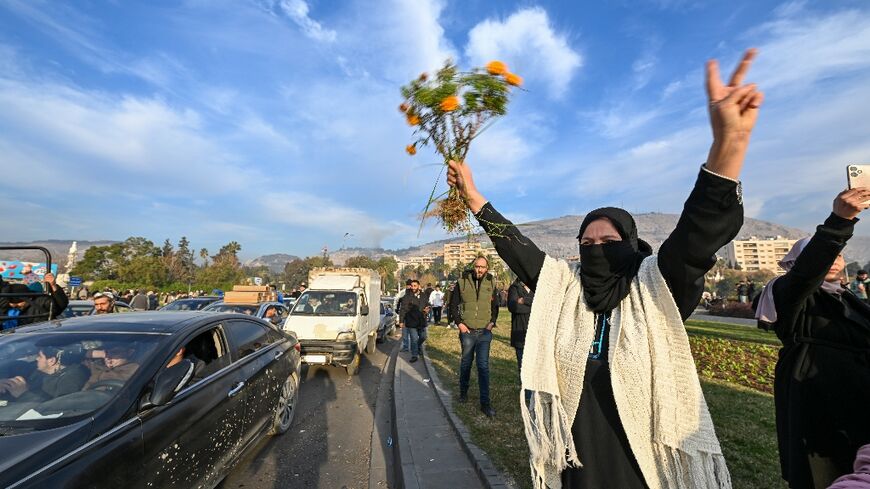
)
(733, 111)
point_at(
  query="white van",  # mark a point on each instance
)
(336, 318)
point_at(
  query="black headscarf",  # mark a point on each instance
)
(606, 270)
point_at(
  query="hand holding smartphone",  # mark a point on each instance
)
(858, 176)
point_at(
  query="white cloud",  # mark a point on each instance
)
(297, 10)
(618, 121)
(527, 41)
(799, 49)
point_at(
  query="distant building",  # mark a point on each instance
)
(755, 254)
(464, 253)
(415, 261)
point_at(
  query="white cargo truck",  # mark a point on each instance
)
(336, 318)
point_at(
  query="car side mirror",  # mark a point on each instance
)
(364, 310)
(169, 382)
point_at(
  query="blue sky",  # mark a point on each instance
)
(274, 123)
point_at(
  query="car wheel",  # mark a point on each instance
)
(370, 346)
(286, 406)
(353, 366)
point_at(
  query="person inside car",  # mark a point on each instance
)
(45, 307)
(51, 378)
(115, 365)
(104, 303)
(271, 315)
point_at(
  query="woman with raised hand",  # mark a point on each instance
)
(616, 401)
(822, 380)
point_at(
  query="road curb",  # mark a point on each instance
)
(404, 460)
(378, 473)
(490, 476)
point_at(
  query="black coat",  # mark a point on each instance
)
(54, 303)
(411, 310)
(822, 384)
(519, 312)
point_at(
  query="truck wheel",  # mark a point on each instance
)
(353, 367)
(370, 346)
(286, 407)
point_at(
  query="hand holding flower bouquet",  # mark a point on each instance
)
(448, 111)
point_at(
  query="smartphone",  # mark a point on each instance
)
(858, 175)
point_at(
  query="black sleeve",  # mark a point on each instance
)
(521, 255)
(515, 293)
(513, 296)
(58, 296)
(493, 317)
(711, 217)
(453, 313)
(792, 289)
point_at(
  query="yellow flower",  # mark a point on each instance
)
(512, 79)
(496, 68)
(411, 149)
(413, 120)
(450, 103)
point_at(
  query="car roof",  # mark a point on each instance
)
(152, 322)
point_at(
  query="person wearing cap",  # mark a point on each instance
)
(104, 303)
(27, 308)
(111, 364)
(859, 286)
(615, 397)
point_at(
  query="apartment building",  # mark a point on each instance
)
(755, 253)
(463, 253)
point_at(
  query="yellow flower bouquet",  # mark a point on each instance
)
(448, 110)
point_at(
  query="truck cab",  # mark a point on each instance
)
(336, 318)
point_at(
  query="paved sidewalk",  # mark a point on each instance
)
(430, 453)
(723, 319)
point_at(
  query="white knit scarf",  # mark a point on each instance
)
(652, 372)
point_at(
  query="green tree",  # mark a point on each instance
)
(182, 266)
(203, 253)
(296, 271)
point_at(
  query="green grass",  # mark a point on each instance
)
(731, 332)
(744, 417)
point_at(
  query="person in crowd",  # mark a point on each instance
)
(447, 297)
(406, 337)
(427, 292)
(139, 301)
(413, 312)
(436, 302)
(616, 400)
(474, 309)
(104, 303)
(24, 309)
(51, 378)
(822, 376)
(83, 294)
(750, 290)
(859, 286)
(860, 478)
(742, 292)
(152, 300)
(520, 298)
(111, 364)
(271, 315)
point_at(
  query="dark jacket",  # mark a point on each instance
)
(39, 306)
(139, 302)
(458, 311)
(821, 389)
(411, 310)
(519, 312)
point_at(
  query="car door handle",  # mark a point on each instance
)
(278, 354)
(235, 390)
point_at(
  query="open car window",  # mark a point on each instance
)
(50, 379)
(326, 303)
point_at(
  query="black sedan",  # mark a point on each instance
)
(190, 304)
(141, 400)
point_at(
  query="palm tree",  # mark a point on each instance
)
(203, 253)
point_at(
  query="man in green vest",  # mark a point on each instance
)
(474, 309)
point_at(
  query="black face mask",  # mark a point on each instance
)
(606, 270)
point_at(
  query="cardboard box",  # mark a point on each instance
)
(237, 297)
(251, 288)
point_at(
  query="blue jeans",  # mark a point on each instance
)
(417, 337)
(475, 344)
(406, 339)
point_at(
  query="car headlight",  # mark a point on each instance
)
(346, 336)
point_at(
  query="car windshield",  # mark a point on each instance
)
(249, 309)
(325, 303)
(186, 305)
(51, 379)
(74, 310)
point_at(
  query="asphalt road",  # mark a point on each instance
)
(329, 444)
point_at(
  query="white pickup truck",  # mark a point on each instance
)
(336, 318)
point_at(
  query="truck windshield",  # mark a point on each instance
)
(325, 303)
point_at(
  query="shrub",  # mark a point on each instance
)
(732, 310)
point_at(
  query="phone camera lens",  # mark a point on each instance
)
(853, 168)
(854, 174)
